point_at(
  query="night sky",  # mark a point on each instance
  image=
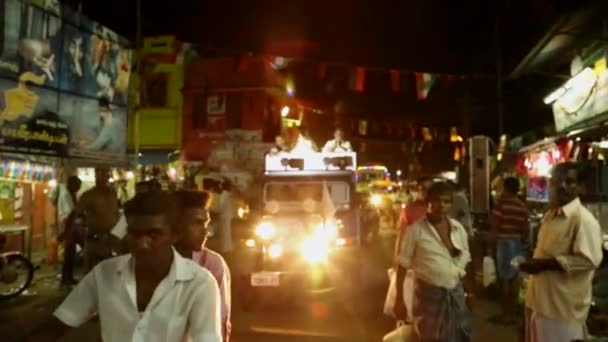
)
(455, 37)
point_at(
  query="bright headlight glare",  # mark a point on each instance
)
(314, 250)
(275, 251)
(331, 230)
(265, 230)
(376, 200)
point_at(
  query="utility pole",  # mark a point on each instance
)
(137, 106)
(499, 75)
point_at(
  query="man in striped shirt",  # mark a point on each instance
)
(509, 224)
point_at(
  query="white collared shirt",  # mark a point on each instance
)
(424, 253)
(333, 146)
(572, 235)
(185, 305)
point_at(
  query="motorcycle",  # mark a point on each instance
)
(16, 272)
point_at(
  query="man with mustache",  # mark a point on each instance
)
(568, 251)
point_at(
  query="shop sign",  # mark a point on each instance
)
(54, 67)
(582, 98)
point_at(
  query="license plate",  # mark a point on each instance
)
(265, 279)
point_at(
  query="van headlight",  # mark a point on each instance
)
(314, 250)
(275, 251)
(327, 231)
(265, 230)
(376, 200)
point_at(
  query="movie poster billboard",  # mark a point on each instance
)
(55, 66)
(96, 132)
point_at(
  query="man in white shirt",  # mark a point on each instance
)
(338, 144)
(192, 223)
(152, 294)
(436, 249)
(568, 251)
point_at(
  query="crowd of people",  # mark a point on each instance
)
(433, 248)
(165, 284)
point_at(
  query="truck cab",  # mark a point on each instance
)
(309, 220)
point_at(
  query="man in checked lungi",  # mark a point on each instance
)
(436, 249)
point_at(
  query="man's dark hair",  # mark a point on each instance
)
(568, 166)
(192, 199)
(438, 189)
(74, 182)
(423, 179)
(152, 203)
(511, 185)
(103, 102)
(227, 185)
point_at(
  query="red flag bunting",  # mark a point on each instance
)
(357, 79)
(395, 80)
(242, 63)
(322, 70)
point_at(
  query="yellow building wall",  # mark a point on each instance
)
(159, 127)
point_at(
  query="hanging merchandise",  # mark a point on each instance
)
(26, 171)
(18, 203)
(424, 82)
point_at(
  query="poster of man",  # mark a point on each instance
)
(56, 63)
(97, 128)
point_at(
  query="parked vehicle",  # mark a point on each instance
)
(16, 272)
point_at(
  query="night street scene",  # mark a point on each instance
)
(332, 171)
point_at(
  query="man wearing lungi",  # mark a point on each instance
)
(436, 249)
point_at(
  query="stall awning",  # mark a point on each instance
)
(541, 145)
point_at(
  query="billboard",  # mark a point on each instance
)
(582, 99)
(55, 65)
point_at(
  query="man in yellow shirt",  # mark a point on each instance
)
(566, 256)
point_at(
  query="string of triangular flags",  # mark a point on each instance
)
(358, 74)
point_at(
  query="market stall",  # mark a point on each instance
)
(26, 214)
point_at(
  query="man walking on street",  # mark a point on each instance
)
(413, 212)
(72, 229)
(568, 251)
(509, 225)
(436, 249)
(100, 207)
(192, 223)
(150, 295)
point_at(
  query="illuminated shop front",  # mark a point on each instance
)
(26, 214)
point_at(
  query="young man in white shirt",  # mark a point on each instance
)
(338, 144)
(436, 249)
(193, 221)
(568, 251)
(152, 294)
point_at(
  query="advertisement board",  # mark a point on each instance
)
(583, 98)
(55, 66)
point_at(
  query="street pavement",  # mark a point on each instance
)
(351, 312)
